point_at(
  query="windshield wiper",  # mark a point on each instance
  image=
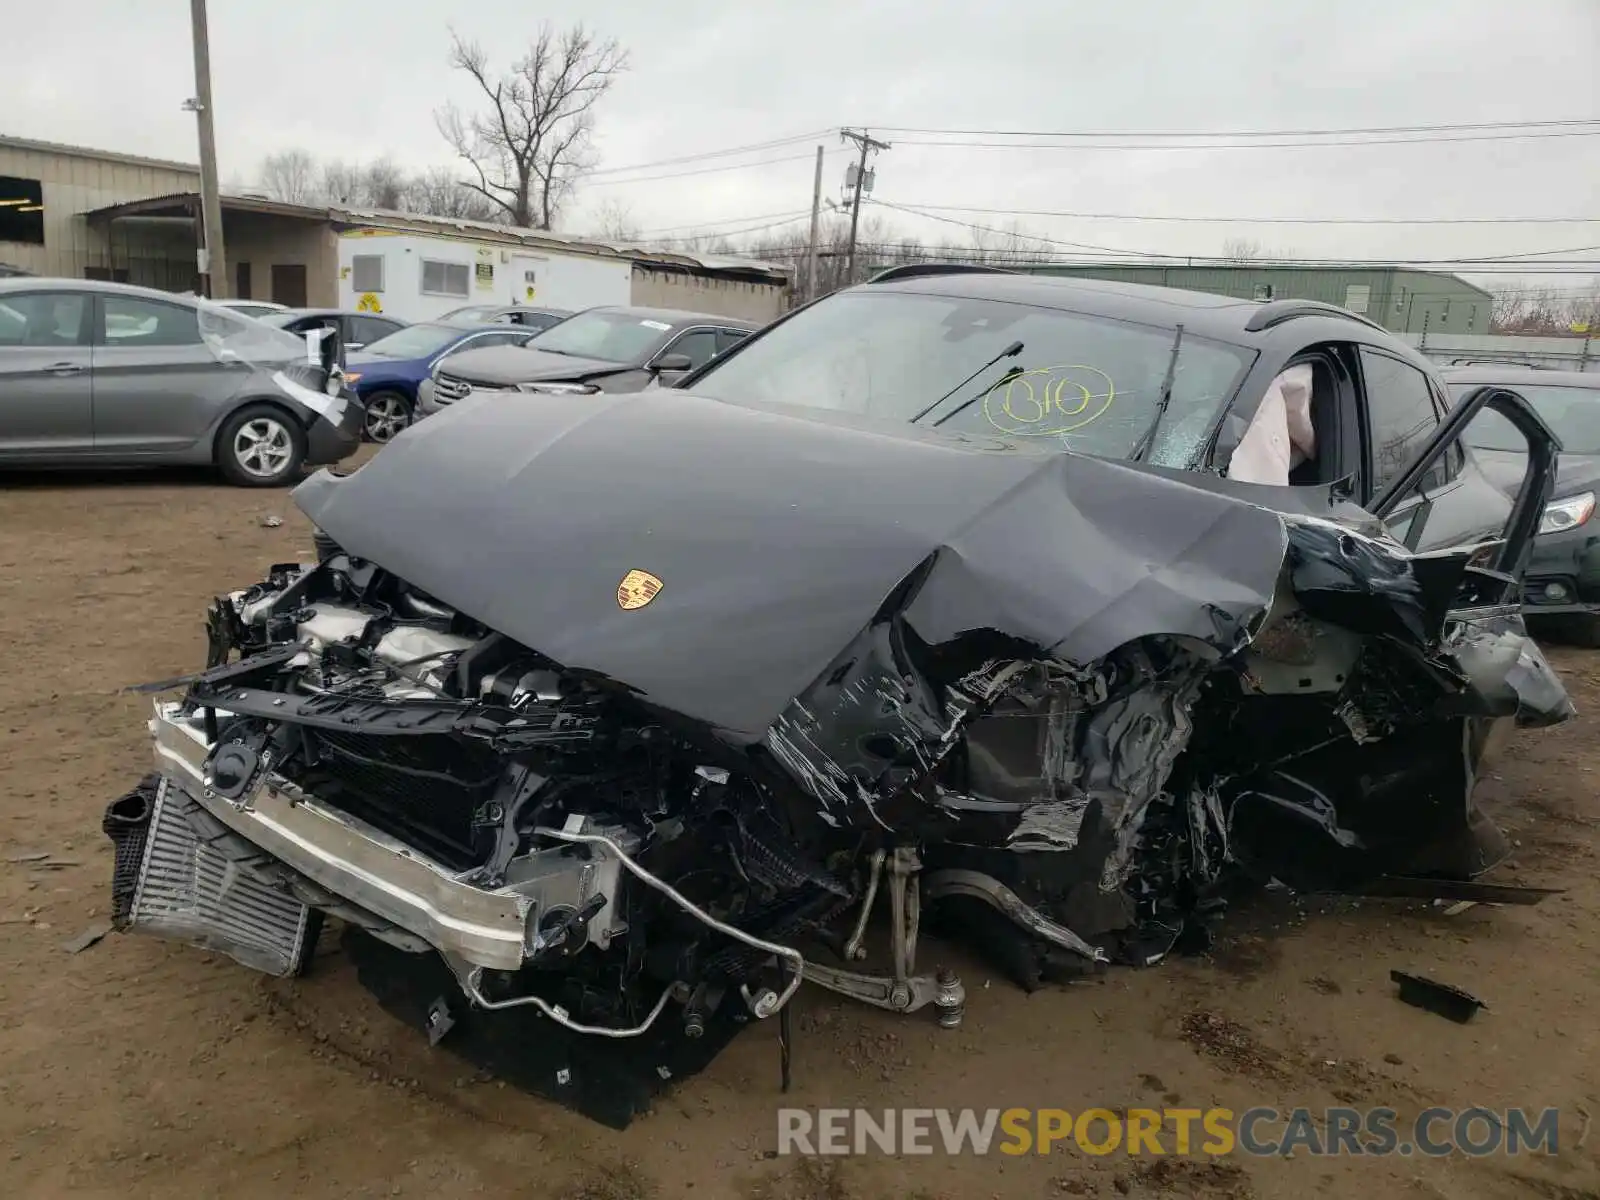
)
(1010, 351)
(1148, 437)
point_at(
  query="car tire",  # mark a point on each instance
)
(388, 414)
(260, 446)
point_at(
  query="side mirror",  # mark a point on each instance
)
(673, 362)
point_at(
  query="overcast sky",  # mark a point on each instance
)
(359, 79)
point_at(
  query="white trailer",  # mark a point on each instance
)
(419, 277)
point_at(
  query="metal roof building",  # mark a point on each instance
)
(83, 213)
(1398, 298)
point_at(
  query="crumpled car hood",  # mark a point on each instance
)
(777, 533)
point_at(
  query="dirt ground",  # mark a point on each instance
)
(138, 1068)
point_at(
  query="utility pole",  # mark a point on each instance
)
(211, 260)
(816, 224)
(866, 144)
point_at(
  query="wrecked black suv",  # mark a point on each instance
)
(601, 723)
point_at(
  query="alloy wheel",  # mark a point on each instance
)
(263, 447)
(386, 416)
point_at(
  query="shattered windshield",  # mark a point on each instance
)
(1084, 382)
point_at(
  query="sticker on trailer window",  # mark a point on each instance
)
(661, 325)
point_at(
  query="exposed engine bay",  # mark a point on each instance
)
(503, 832)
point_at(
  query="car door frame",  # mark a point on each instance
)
(1418, 506)
(66, 376)
(189, 388)
(347, 330)
(734, 336)
(1538, 482)
(654, 372)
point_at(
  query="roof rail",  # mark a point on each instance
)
(917, 270)
(1276, 312)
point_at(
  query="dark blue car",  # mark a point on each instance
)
(384, 375)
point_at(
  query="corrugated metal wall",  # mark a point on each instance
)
(72, 184)
(264, 241)
(659, 288)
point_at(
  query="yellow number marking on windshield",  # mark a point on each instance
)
(1031, 403)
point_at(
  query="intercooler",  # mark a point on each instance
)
(194, 882)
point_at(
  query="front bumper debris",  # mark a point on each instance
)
(382, 876)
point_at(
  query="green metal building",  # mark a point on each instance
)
(1403, 300)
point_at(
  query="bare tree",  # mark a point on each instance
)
(1248, 250)
(342, 182)
(530, 141)
(1237, 249)
(436, 193)
(1544, 311)
(614, 221)
(290, 176)
(383, 185)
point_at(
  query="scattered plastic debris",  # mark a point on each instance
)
(1441, 998)
(87, 938)
(270, 522)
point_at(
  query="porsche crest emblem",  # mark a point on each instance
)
(636, 590)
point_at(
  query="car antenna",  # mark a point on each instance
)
(1148, 437)
(1010, 351)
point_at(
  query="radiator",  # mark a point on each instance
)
(199, 888)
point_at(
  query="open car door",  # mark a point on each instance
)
(1389, 809)
(1509, 673)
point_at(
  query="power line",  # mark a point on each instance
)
(1243, 133)
(1223, 258)
(1489, 258)
(1103, 216)
(765, 162)
(727, 221)
(1293, 145)
(708, 154)
(1022, 257)
(1006, 233)
(735, 232)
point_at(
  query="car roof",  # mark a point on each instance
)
(462, 325)
(517, 308)
(1513, 376)
(336, 312)
(677, 316)
(1221, 318)
(49, 283)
